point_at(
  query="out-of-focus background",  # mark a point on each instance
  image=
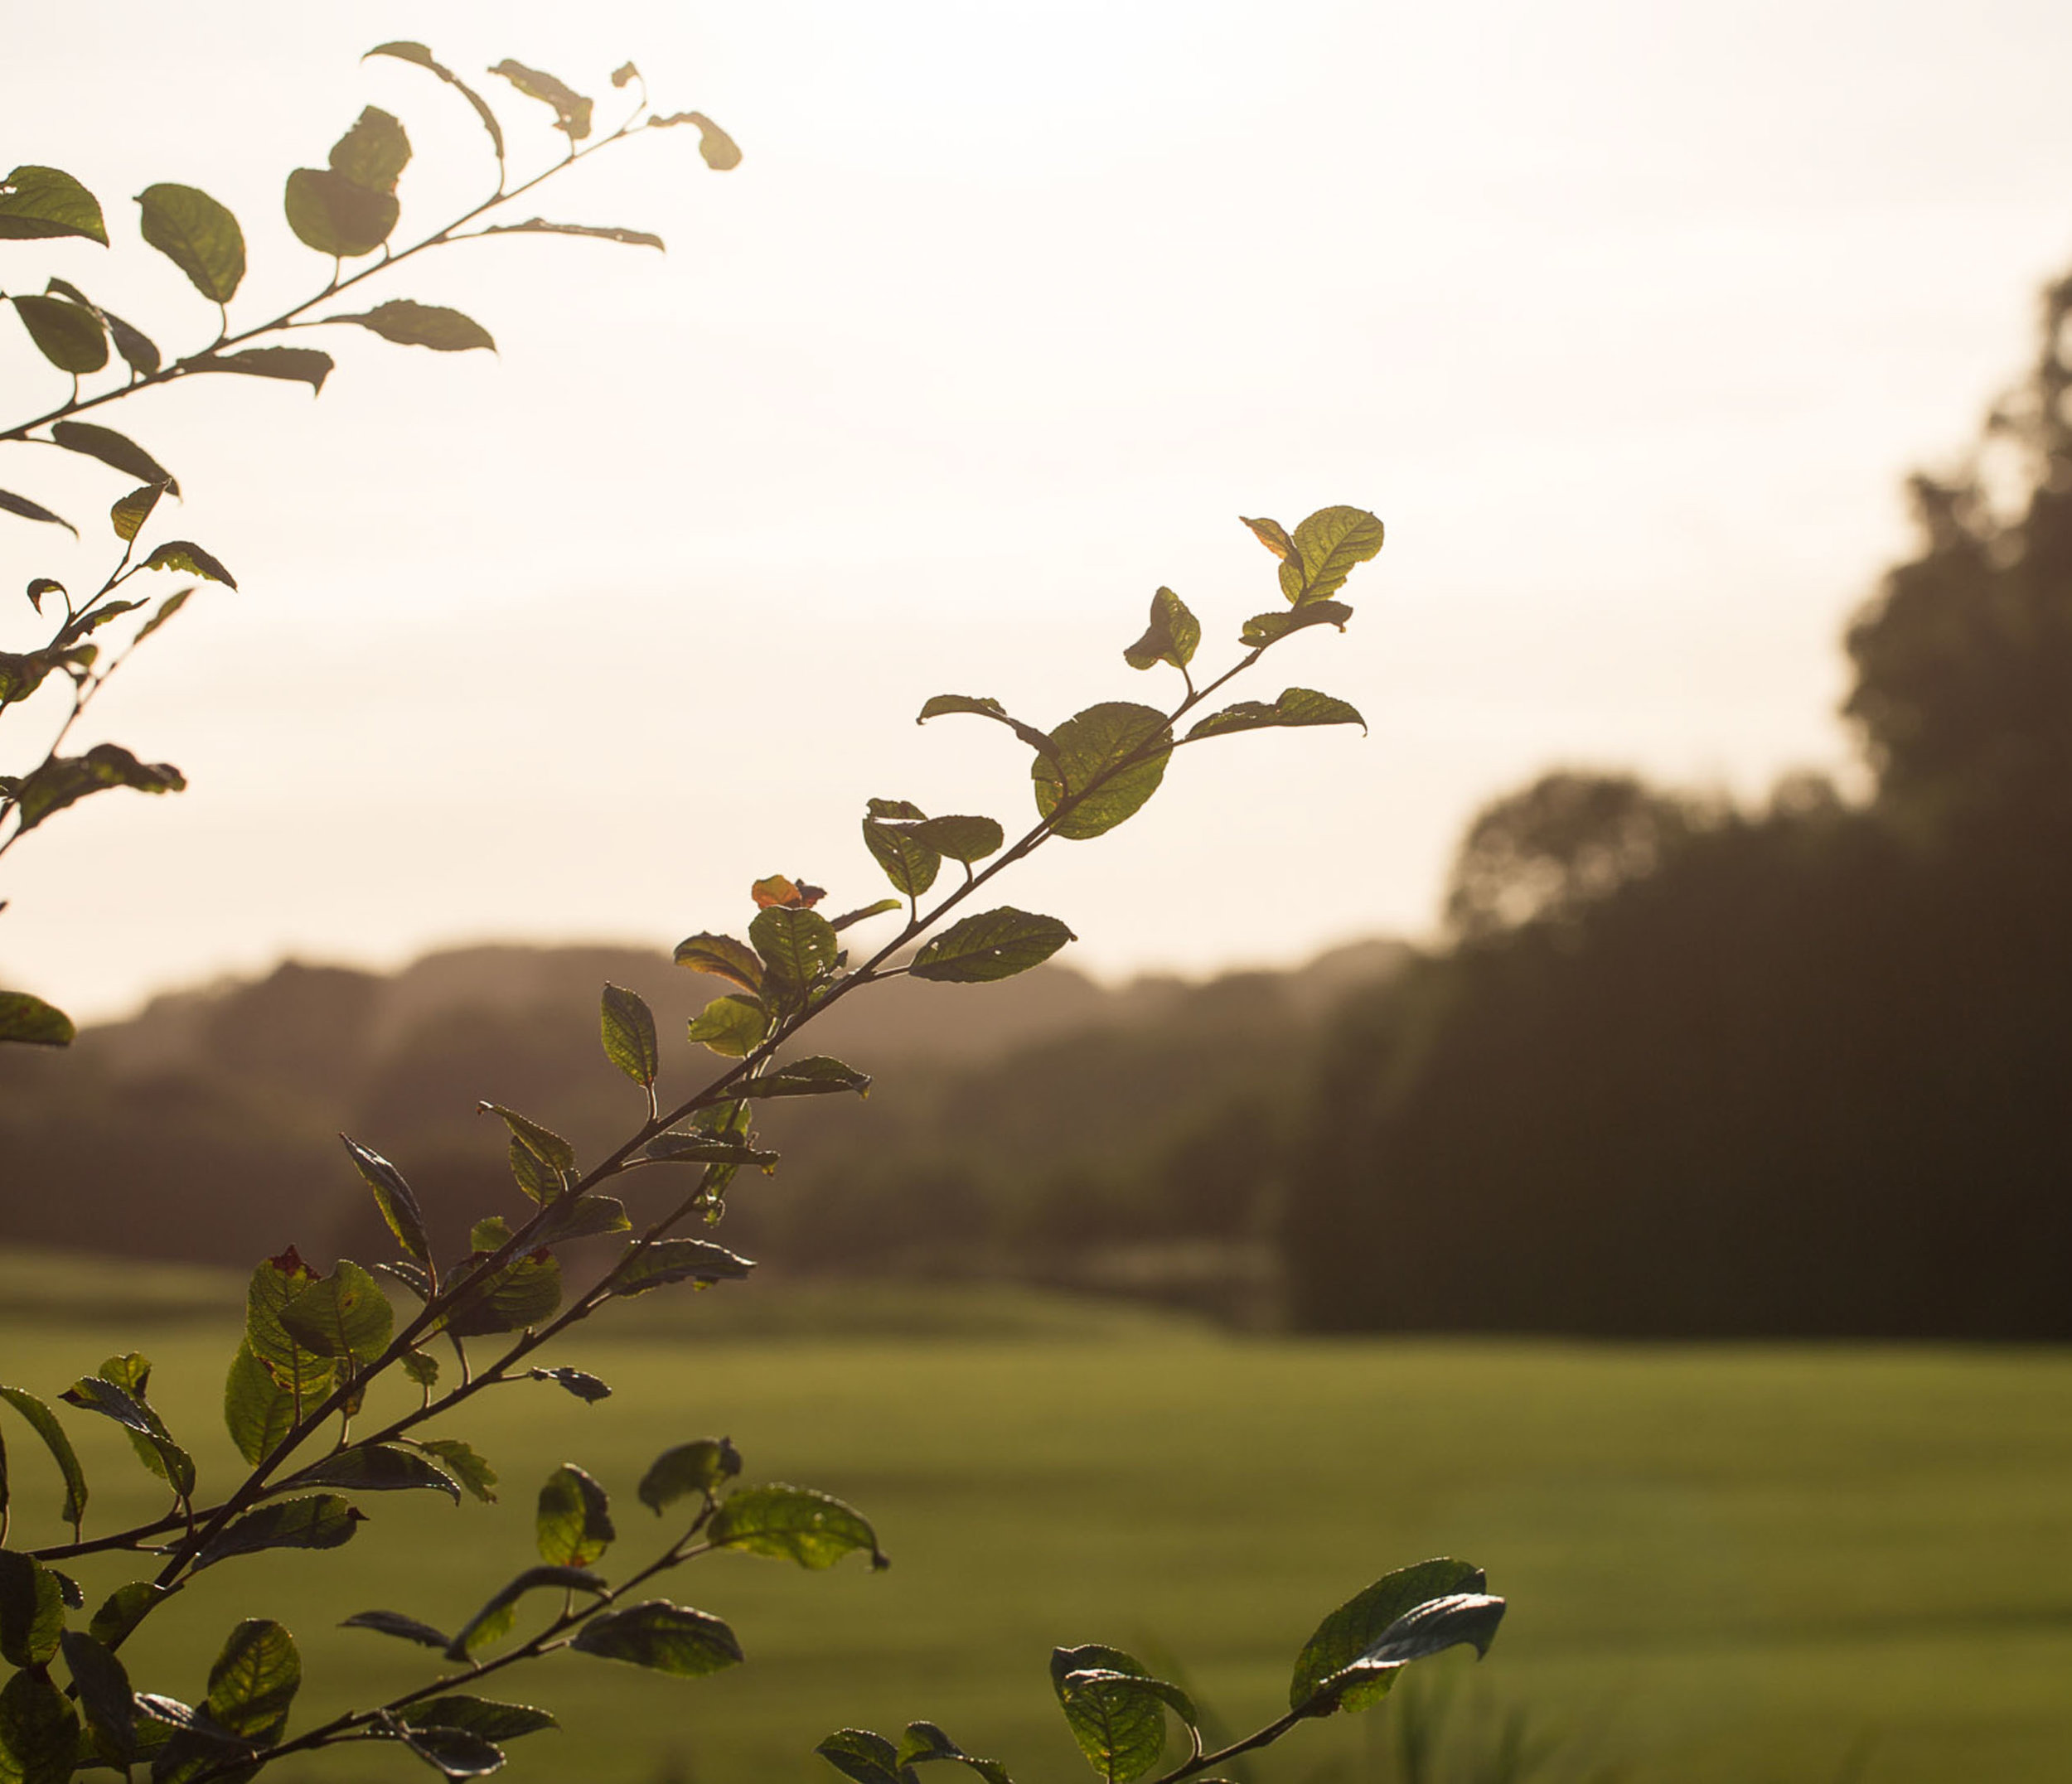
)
(1610, 1121)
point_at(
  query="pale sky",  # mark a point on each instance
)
(1627, 319)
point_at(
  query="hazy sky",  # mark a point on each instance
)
(1628, 319)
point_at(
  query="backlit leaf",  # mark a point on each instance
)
(124, 1609)
(723, 957)
(379, 1468)
(393, 1195)
(1274, 536)
(909, 864)
(44, 1423)
(1263, 629)
(582, 1217)
(323, 1521)
(38, 1731)
(29, 510)
(297, 364)
(817, 1075)
(573, 1525)
(1356, 1625)
(793, 1523)
(524, 1292)
(863, 1757)
(1328, 545)
(479, 1715)
(260, 1405)
(1172, 637)
(417, 53)
(30, 1021)
(1103, 764)
(693, 1467)
(452, 1752)
(337, 216)
(571, 110)
(984, 707)
(600, 232)
(464, 1465)
(154, 1444)
(253, 1684)
(721, 153)
(70, 336)
(114, 449)
(184, 555)
(627, 1027)
(796, 945)
(1296, 706)
(64, 780)
(129, 512)
(37, 203)
(669, 1261)
(924, 1741)
(542, 1142)
(343, 1315)
(662, 1636)
(1116, 1712)
(878, 909)
(732, 1026)
(199, 236)
(1460, 1619)
(962, 839)
(992, 944)
(494, 1619)
(374, 152)
(702, 1148)
(421, 325)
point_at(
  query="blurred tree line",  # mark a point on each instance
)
(1682, 1070)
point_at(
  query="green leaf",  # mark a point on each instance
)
(422, 1369)
(924, 1741)
(1116, 1714)
(122, 1609)
(393, 1195)
(698, 1467)
(323, 1521)
(336, 216)
(1084, 784)
(662, 1636)
(543, 1142)
(720, 151)
(1327, 547)
(39, 1730)
(273, 1283)
(793, 1523)
(1296, 706)
(669, 1261)
(374, 152)
(1274, 536)
(1173, 635)
(573, 1525)
(343, 1315)
(494, 1619)
(184, 555)
(464, 1465)
(253, 1684)
(105, 1693)
(599, 231)
(817, 1075)
(985, 707)
(129, 512)
(586, 1388)
(417, 53)
(479, 1715)
(703, 1148)
(379, 1468)
(167, 608)
(898, 808)
(797, 946)
(582, 1217)
(1263, 629)
(258, 1405)
(154, 1445)
(722, 957)
(395, 1624)
(522, 1294)
(1457, 1621)
(452, 1752)
(37, 203)
(116, 450)
(627, 1025)
(1356, 1625)
(863, 1756)
(842, 922)
(421, 325)
(31, 1610)
(64, 780)
(297, 365)
(31, 1022)
(961, 837)
(135, 347)
(199, 236)
(992, 944)
(571, 110)
(69, 336)
(909, 864)
(28, 510)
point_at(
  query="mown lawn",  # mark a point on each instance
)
(1724, 1564)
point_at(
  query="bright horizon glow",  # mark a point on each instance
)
(1628, 323)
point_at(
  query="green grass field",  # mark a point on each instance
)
(1724, 1564)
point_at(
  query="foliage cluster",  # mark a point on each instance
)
(332, 1396)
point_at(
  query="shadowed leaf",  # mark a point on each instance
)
(105, 1693)
(693, 1467)
(479, 1715)
(69, 336)
(417, 53)
(571, 110)
(984, 707)
(31, 1610)
(721, 153)
(1296, 706)
(379, 1468)
(573, 1525)
(464, 1465)
(600, 232)
(337, 216)
(39, 1730)
(1263, 629)
(44, 1423)
(296, 365)
(114, 449)
(669, 1261)
(1461, 1619)
(1172, 637)
(374, 152)
(393, 1195)
(29, 510)
(992, 944)
(662, 1636)
(586, 1388)
(1356, 1625)
(818, 1075)
(395, 1624)
(421, 325)
(494, 1619)
(723, 957)
(323, 1521)
(863, 1756)
(199, 236)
